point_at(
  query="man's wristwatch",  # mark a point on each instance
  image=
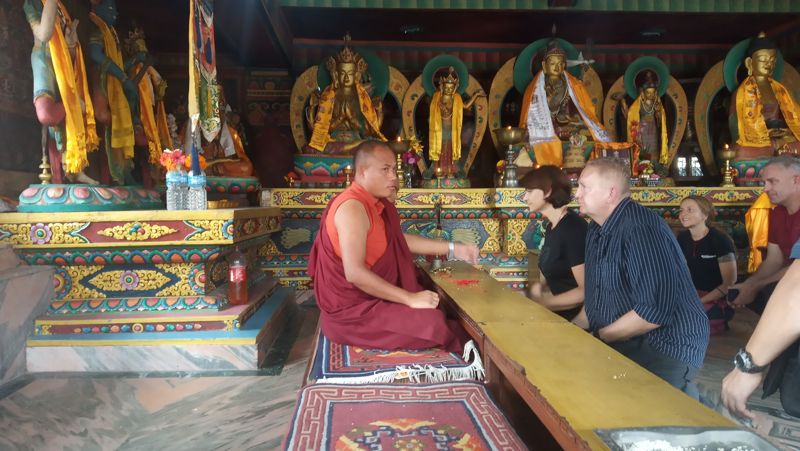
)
(451, 250)
(744, 363)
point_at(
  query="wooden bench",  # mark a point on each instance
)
(570, 381)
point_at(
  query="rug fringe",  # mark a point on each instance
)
(418, 373)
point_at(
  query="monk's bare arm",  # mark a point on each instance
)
(420, 245)
(352, 224)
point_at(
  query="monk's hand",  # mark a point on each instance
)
(466, 252)
(423, 299)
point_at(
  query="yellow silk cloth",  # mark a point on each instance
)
(148, 117)
(74, 90)
(322, 124)
(756, 222)
(121, 122)
(634, 118)
(753, 130)
(435, 127)
(551, 152)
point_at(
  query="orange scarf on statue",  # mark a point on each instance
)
(752, 127)
(322, 124)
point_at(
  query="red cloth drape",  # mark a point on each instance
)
(351, 316)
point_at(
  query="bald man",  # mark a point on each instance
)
(361, 263)
(639, 293)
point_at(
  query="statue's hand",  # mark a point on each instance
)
(71, 34)
(777, 133)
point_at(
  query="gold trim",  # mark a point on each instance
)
(610, 107)
(33, 343)
(305, 84)
(677, 95)
(140, 215)
(502, 82)
(138, 319)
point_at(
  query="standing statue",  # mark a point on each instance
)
(344, 115)
(445, 122)
(151, 90)
(555, 106)
(767, 118)
(115, 96)
(60, 89)
(646, 122)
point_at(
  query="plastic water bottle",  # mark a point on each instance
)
(183, 190)
(174, 194)
(237, 278)
(197, 192)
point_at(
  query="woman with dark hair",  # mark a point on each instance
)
(548, 191)
(711, 258)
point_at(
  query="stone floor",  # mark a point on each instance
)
(242, 410)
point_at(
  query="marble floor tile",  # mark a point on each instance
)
(233, 410)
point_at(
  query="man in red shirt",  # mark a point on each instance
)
(781, 177)
(364, 277)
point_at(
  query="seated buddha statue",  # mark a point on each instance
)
(225, 155)
(344, 114)
(767, 118)
(555, 106)
(445, 122)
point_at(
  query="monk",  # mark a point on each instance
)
(364, 277)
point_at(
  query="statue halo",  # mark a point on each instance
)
(443, 62)
(638, 66)
(523, 75)
(377, 69)
(735, 58)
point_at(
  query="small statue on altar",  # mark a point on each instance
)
(60, 90)
(344, 114)
(647, 123)
(767, 118)
(115, 96)
(555, 106)
(225, 155)
(445, 122)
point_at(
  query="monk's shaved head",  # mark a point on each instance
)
(366, 151)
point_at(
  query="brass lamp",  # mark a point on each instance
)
(507, 138)
(727, 154)
(399, 146)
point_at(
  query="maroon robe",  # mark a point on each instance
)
(348, 315)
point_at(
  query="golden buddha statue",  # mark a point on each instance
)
(767, 118)
(556, 106)
(445, 122)
(344, 114)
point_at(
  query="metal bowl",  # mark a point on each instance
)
(508, 136)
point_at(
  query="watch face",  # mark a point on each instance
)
(740, 361)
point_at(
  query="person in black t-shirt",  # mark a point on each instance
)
(548, 191)
(711, 258)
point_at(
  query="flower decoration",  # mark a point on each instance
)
(187, 162)
(172, 159)
(40, 233)
(410, 158)
(414, 145)
(290, 177)
(129, 280)
(501, 166)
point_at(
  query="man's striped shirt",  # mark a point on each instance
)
(633, 262)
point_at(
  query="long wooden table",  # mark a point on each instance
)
(571, 381)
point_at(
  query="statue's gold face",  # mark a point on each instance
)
(554, 66)
(448, 88)
(649, 94)
(346, 73)
(763, 62)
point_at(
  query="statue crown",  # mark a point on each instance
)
(554, 49)
(347, 56)
(450, 76)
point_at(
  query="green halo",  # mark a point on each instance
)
(523, 75)
(645, 63)
(735, 58)
(440, 62)
(377, 69)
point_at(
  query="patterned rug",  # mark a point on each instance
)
(344, 364)
(456, 415)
